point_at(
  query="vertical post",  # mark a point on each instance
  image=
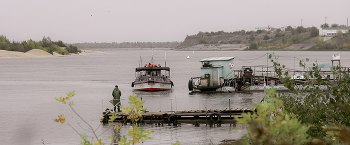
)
(294, 66)
(229, 106)
(267, 69)
(171, 100)
(141, 100)
(301, 22)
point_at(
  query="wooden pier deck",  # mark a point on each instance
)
(192, 116)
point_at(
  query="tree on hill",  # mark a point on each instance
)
(314, 32)
(266, 37)
(251, 38)
(335, 25)
(325, 25)
(300, 29)
(253, 45)
(289, 28)
(200, 33)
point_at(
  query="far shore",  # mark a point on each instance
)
(213, 47)
(37, 53)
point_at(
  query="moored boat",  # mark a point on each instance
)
(152, 77)
(218, 74)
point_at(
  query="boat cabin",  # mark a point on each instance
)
(216, 70)
(153, 72)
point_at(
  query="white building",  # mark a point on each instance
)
(329, 33)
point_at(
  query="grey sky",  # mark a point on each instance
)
(156, 20)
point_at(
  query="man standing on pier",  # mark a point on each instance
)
(116, 97)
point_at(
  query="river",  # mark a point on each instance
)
(28, 88)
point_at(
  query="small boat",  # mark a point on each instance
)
(188, 57)
(152, 77)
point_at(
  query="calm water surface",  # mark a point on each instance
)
(28, 88)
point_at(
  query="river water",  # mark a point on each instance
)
(28, 88)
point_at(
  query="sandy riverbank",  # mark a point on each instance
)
(37, 53)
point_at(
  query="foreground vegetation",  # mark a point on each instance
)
(302, 117)
(45, 44)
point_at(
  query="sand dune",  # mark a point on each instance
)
(37, 53)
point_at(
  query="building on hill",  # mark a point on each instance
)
(329, 33)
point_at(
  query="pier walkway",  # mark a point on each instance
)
(192, 116)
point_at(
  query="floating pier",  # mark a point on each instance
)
(192, 116)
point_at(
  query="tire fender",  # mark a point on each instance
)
(190, 85)
(215, 117)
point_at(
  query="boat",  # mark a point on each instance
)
(218, 74)
(152, 77)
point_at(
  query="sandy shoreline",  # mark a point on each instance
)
(37, 53)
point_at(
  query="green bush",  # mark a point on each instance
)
(266, 37)
(314, 32)
(45, 44)
(253, 45)
(72, 49)
(4, 43)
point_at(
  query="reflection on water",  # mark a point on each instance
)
(186, 133)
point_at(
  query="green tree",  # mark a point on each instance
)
(253, 45)
(300, 29)
(62, 119)
(278, 30)
(335, 25)
(251, 37)
(313, 105)
(4, 43)
(16, 46)
(314, 32)
(266, 37)
(325, 25)
(46, 42)
(72, 49)
(135, 112)
(200, 33)
(272, 124)
(242, 32)
(289, 28)
(59, 43)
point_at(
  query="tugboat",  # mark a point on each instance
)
(152, 77)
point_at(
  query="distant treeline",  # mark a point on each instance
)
(45, 44)
(128, 45)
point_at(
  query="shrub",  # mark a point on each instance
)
(253, 45)
(266, 37)
(314, 32)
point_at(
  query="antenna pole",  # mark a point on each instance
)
(165, 58)
(152, 56)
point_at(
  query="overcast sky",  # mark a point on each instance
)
(74, 21)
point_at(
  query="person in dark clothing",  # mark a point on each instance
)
(116, 97)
